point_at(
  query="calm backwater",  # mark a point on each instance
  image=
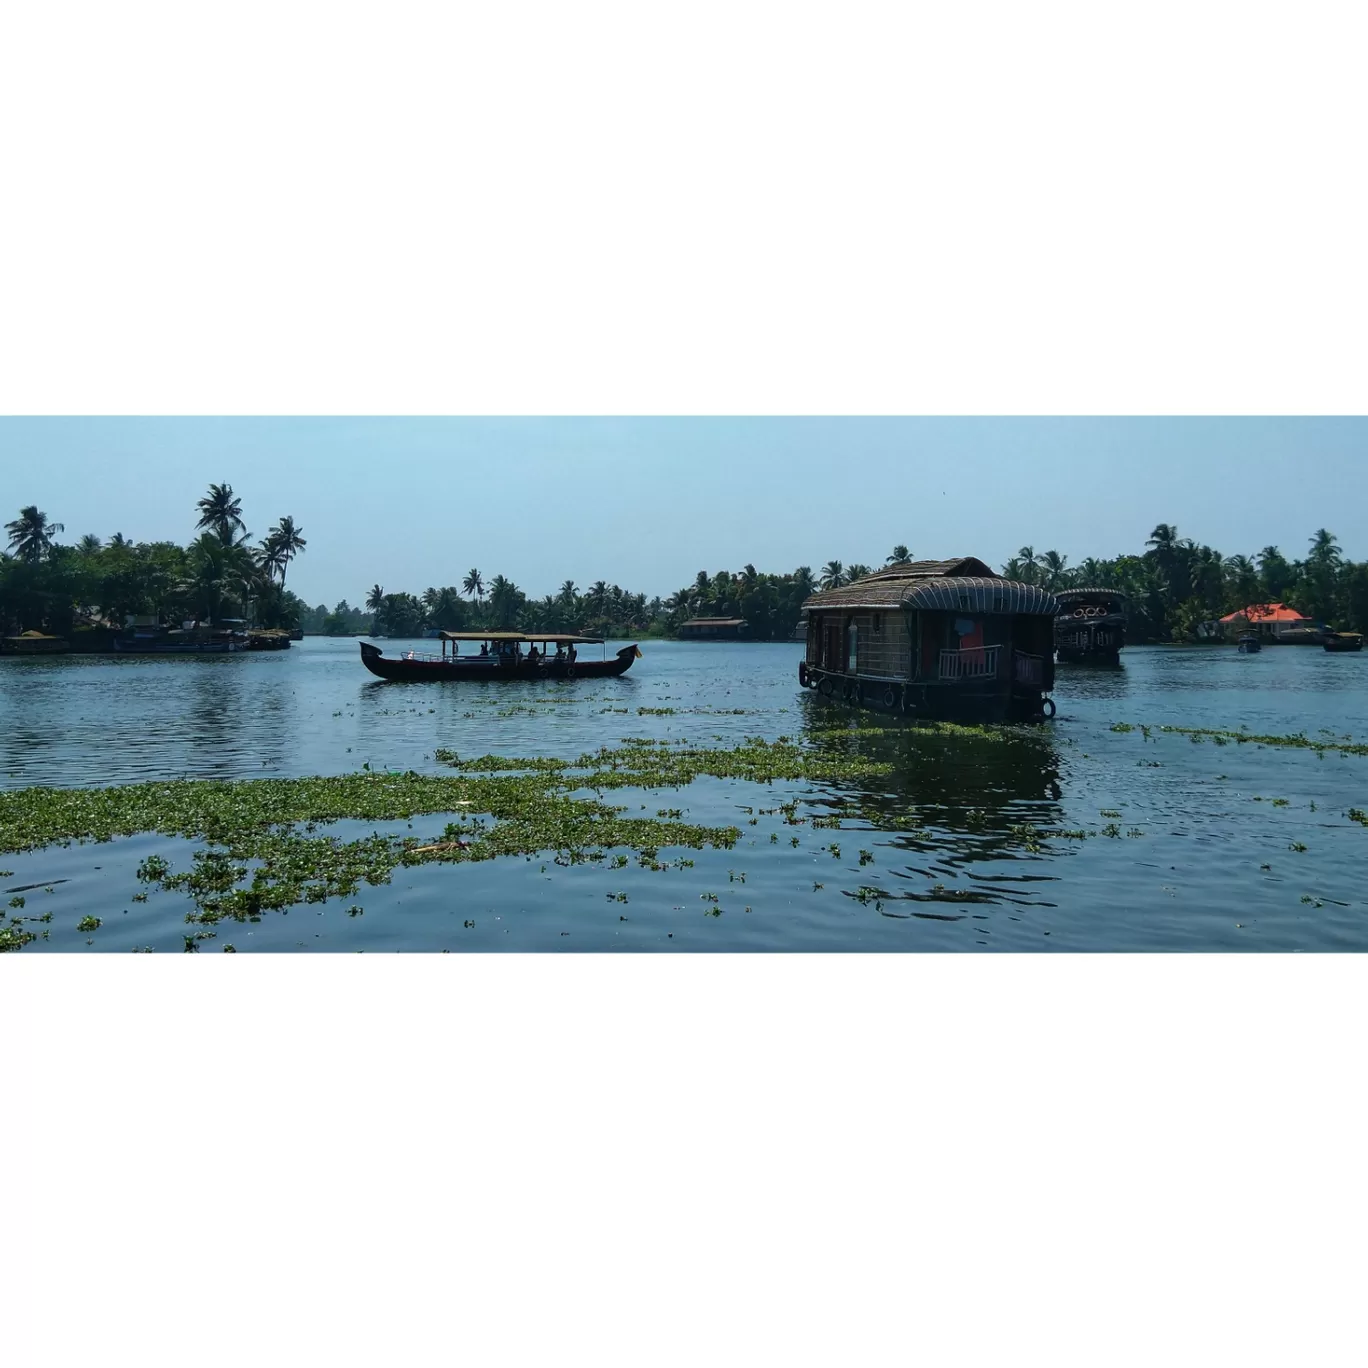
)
(1178, 843)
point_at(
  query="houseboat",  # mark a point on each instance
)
(1343, 641)
(944, 639)
(500, 658)
(714, 629)
(1091, 626)
(191, 640)
(1250, 643)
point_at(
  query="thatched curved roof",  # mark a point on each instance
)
(963, 585)
(885, 588)
(1085, 595)
(966, 594)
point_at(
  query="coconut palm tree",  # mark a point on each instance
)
(375, 600)
(833, 575)
(505, 600)
(219, 573)
(1053, 565)
(474, 585)
(1325, 551)
(899, 554)
(289, 542)
(1028, 565)
(119, 540)
(856, 572)
(90, 543)
(31, 534)
(221, 513)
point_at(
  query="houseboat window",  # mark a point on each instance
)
(878, 624)
(852, 647)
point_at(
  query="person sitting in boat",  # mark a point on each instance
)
(484, 648)
(533, 655)
(571, 658)
(560, 653)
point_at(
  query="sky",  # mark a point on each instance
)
(648, 502)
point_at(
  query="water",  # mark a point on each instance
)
(1190, 860)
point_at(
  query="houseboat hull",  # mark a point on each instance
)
(1344, 641)
(491, 669)
(978, 701)
(165, 646)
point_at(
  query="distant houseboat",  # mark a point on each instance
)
(150, 640)
(945, 639)
(714, 629)
(1343, 641)
(1091, 626)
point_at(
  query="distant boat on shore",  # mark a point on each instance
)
(34, 643)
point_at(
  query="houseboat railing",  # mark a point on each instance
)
(977, 662)
(1028, 670)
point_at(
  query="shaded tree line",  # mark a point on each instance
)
(57, 587)
(1175, 584)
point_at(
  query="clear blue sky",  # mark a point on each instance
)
(648, 502)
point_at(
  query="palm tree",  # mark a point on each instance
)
(218, 572)
(119, 540)
(90, 543)
(804, 582)
(446, 609)
(1028, 565)
(289, 542)
(375, 600)
(899, 555)
(1325, 551)
(1053, 565)
(856, 572)
(473, 584)
(505, 599)
(833, 575)
(31, 534)
(221, 513)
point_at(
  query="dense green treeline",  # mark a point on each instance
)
(1174, 584)
(49, 586)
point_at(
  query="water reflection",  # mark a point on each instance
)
(975, 814)
(1094, 680)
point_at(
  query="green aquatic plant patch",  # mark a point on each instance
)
(270, 844)
(1298, 740)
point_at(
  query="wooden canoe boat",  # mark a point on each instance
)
(499, 669)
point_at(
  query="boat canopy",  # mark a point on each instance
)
(557, 637)
(1070, 596)
(974, 594)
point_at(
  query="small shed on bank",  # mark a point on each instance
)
(714, 629)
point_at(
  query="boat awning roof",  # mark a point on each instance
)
(974, 595)
(558, 637)
(946, 593)
(1081, 595)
